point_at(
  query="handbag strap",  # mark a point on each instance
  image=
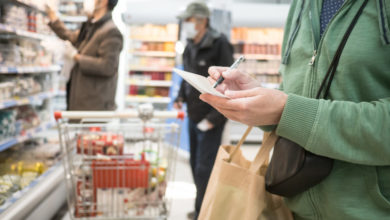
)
(262, 157)
(335, 62)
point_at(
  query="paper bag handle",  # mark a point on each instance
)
(262, 156)
(243, 138)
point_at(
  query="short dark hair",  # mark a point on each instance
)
(111, 4)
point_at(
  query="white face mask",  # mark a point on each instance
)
(89, 6)
(189, 30)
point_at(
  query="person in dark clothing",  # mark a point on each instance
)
(206, 47)
(95, 50)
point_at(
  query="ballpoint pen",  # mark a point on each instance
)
(233, 66)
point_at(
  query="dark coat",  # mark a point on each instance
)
(93, 79)
(213, 50)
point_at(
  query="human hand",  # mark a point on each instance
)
(51, 13)
(70, 52)
(254, 107)
(178, 105)
(205, 125)
(233, 79)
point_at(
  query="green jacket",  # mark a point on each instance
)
(353, 126)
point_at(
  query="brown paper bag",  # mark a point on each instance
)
(236, 189)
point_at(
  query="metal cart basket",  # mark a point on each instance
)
(118, 169)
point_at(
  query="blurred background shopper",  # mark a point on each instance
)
(205, 47)
(95, 49)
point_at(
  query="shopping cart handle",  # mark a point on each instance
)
(114, 114)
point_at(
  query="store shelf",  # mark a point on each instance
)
(28, 69)
(151, 69)
(74, 19)
(27, 100)
(155, 40)
(142, 99)
(153, 53)
(157, 83)
(236, 129)
(258, 56)
(24, 203)
(21, 3)
(27, 34)
(5, 144)
(247, 42)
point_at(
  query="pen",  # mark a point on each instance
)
(233, 66)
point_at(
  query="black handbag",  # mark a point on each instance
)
(293, 169)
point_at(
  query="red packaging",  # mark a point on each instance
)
(82, 209)
(127, 173)
(105, 143)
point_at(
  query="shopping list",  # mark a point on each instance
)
(199, 82)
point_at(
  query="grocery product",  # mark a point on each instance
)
(100, 143)
(23, 163)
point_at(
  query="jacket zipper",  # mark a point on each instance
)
(383, 22)
(317, 42)
(293, 34)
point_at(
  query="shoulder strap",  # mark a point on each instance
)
(335, 62)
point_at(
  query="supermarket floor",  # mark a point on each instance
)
(182, 190)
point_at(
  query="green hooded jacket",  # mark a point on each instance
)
(353, 125)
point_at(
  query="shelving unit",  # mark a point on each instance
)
(143, 99)
(154, 54)
(261, 49)
(258, 56)
(28, 69)
(150, 69)
(152, 58)
(28, 82)
(25, 135)
(156, 83)
(40, 199)
(73, 19)
(4, 28)
(71, 13)
(27, 100)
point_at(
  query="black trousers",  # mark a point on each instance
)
(203, 151)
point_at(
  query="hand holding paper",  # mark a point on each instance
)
(199, 82)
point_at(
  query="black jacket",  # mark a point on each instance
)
(213, 50)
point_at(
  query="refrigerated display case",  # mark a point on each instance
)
(30, 184)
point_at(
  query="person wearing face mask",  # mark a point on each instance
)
(206, 47)
(95, 50)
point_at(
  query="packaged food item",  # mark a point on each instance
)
(127, 173)
(100, 143)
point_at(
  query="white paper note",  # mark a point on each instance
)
(199, 82)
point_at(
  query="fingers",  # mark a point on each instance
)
(217, 102)
(244, 93)
(216, 71)
(211, 80)
(232, 109)
(232, 74)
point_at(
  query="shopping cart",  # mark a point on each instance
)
(118, 169)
